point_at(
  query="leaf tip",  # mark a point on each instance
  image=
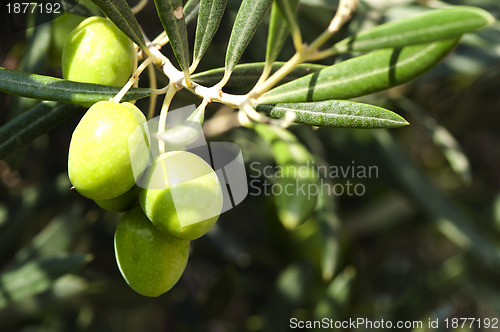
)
(289, 219)
(490, 19)
(487, 16)
(399, 121)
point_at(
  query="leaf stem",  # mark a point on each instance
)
(171, 91)
(140, 6)
(161, 40)
(287, 68)
(134, 78)
(154, 97)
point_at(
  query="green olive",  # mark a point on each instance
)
(150, 261)
(109, 137)
(296, 201)
(183, 195)
(96, 51)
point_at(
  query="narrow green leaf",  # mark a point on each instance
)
(248, 19)
(191, 9)
(86, 9)
(276, 38)
(336, 113)
(249, 73)
(171, 15)
(362, 75)
(34, 59)
(50, 88)
(329, 233)
(297, 180)
(209, 18)
(288, 9)
(429, 27)
(442, 138)
(284, 144)
(22, 130)
(446, 216)
(383, 212)
(58, 236)
(120, 13)
(36, 277)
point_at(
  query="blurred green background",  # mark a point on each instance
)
(421, 242)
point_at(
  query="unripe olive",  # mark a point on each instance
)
(96, 51)
(103, 146)
(183, 195)
(295, 206)
(150, 261)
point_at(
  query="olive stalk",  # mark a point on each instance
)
(140, 6)
(132, 80)
(152, 84)
(171, 91)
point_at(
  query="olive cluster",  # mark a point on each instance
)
(179, 196)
